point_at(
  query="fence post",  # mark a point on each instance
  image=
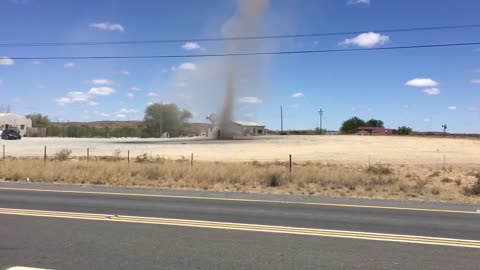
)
(191, 161)
(290, 162)
(45, 155)
(369, 166)
(88, 154)
(128, 157)
(443, 166)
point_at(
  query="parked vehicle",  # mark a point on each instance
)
(11, 134)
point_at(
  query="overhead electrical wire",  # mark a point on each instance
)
(158, 41)
(98, 57)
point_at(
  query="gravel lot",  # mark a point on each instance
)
(341, 149)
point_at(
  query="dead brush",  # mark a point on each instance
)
(473, 189)
(62, 154)
(379, 169)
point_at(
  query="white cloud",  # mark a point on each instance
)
(366, 40)
(101, 113)
(125, 72)
(101, 81)
(125, 111)
(295, 106)
(452, 108)
(431, 91)
(134, 88)
(250, 100)
(181, 85)
(92, 103)
(69, 65)
(5, 61)
(187, 66)
(422, 82)
(108, 26)
(358, 2)
(120, 115)
(36, 62)
(297, 95)
(249, 115)
(406, 106)
(78, 96)
(72, 97)
(130, 95)
(101, 91)
(152, 94)
(476, 81)
(191, 46)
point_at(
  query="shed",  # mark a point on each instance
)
(14, 121)
(247, 128)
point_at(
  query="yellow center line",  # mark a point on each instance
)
(241, 200)
(248, 227)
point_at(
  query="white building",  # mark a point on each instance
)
(13, 121)
(249, 128)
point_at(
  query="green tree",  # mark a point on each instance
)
(161, 118)
(374, 123)
(404, 130)
(350, 126)
(39, 120)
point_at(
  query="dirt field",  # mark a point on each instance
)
(400, 167)
(393, 150)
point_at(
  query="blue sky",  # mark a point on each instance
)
(421, 88)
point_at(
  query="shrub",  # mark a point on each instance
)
(117, 154)
(473, 189)
(404, 130)
(62, 154)
(379, 169)
(272, 179)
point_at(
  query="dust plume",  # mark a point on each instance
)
(246, 22)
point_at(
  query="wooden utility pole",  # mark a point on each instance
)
(281, 120)
(320, 115)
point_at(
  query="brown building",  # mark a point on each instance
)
(374, 131)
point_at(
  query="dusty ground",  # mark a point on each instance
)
(400, 167)
(354, 149)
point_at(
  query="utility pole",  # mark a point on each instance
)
(281, 120)
(320, 116)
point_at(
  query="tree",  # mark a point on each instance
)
(160, 118)
(374, 123)
(351, 125)
(404, 130)
(39, 120)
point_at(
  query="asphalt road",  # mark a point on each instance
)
(47, 239)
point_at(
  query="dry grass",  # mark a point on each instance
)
(376, 181)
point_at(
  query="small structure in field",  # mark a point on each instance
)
(13, 121)
(249, 128)
(374, 131)
(237, 128)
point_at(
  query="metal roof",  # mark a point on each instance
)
(247, 123)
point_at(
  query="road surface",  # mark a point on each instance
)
(72, 227)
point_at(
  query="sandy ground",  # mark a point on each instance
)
(338, 149)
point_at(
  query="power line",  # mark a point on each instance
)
(98, 57)
(137, 42)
